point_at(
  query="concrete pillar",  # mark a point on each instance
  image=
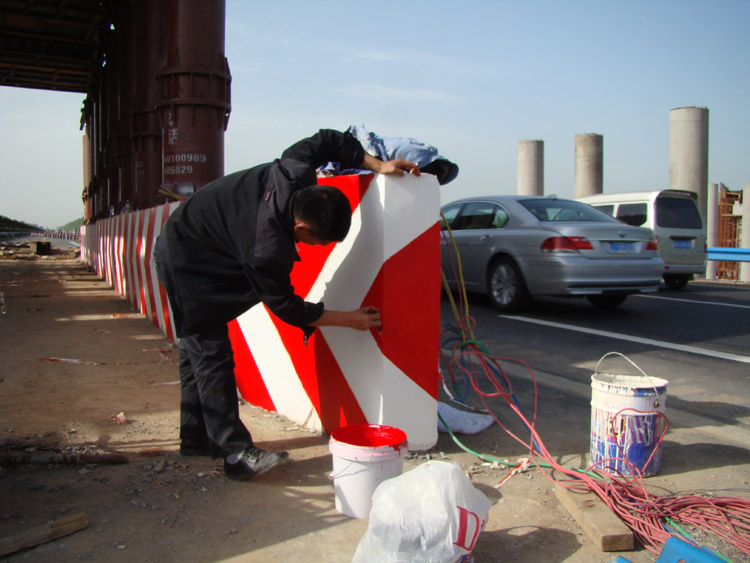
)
(745, 230)
(589, 166)
(712, 226)
(530, 172)
(688, 152)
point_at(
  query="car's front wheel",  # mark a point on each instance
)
(606, 301)
(507, 287)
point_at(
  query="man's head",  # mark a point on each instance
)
(322, 215)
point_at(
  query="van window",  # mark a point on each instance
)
(632, 213)
(677, 213)
(608, 209)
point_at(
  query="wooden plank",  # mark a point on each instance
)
(601, 525)
(42, 534)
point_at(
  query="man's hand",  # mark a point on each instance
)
(364, 318)
(396, 167)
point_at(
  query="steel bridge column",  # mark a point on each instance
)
(193, 99)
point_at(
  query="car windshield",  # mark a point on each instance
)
(565, 210)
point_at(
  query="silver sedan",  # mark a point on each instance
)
(513, 248)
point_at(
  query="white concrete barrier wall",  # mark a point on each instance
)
(390, 260)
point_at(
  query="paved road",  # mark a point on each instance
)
(698, 339)
(61, 244)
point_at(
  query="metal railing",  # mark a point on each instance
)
(729, 254)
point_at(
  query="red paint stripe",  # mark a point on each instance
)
(306, 272)
(119, 244)
(249, 380)
(128, 251)
(142, 302)
(133, 244)
(162, 293)
(409, 281)
(321, 377)
(147, 265)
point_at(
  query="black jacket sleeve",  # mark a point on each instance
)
(274, 251)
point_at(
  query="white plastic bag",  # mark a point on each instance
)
(430, 514)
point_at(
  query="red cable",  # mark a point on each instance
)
(643, 512)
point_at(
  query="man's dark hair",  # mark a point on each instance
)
(325, 209)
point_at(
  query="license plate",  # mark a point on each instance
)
(621, 247)
(682, 244)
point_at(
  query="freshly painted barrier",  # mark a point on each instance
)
(364, 455)
(627, 421)
(390, 260)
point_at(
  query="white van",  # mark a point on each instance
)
(676, 220)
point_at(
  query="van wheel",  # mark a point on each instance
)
(507, 288)
(606, 301)
(676, 282)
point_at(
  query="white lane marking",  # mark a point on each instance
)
(648, 341)
(692, 301)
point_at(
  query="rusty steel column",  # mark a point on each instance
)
(145, 130)
(87, 195)
(193, 94)
(125, 41)
(109, 105)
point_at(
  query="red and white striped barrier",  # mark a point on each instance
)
(390, 260)
(119, 249)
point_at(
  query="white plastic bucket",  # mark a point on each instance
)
(364, 455)
(627, 421)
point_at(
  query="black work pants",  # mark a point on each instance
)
(209, 410)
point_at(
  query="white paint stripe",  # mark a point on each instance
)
(276, 368)
(647, 341)
(693, 301)
(361, 363)
(385, 394)
(409, 207)
(347, 276)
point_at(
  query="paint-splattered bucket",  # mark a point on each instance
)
(627, 421)
(364, 455)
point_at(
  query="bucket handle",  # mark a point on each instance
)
(332, 475)
(631, 362)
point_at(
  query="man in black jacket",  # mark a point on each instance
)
(232, 245)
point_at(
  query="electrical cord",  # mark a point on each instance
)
(646, 514)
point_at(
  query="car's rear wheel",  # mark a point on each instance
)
(676, 282)
(606, 301)
(507, 287)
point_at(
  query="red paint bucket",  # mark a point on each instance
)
(364, 455)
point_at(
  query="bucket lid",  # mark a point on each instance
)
(369, 435)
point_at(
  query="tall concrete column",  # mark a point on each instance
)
(530, 171)
(688, 152)
(589, 164)
(745, 230)
(712, 226)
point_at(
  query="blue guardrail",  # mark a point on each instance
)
(729, 254)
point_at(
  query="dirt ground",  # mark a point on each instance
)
(75, 355)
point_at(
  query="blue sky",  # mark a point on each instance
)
(472, 78)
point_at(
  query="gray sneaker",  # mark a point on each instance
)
(251, 462)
